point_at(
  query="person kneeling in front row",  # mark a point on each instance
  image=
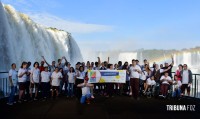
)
(86, 94)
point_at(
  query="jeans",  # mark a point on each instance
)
(177, 93)
(61, 86)
(66, 88)
(70, 89)
(83, 98)
(12, 94)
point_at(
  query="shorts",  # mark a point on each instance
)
(22, 85)
(185, 86)
(34, 84)
(55, 87)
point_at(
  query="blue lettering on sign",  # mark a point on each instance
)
(93, 80)
(109, 73)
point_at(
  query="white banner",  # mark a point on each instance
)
(107, 76)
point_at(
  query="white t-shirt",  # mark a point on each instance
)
(85, 91)
(168, 79)
(185, 78)
(81, 75)
(133, 73)
(23, 78)
(151, 82)
(55, 78)
(13, 74)
(36, 75)
(96, 68)
(71, 77)
(178, 85)
(45, 76)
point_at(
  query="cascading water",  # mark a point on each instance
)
(24, 40)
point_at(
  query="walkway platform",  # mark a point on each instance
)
(118, 107)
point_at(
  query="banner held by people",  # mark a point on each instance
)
(107, 76)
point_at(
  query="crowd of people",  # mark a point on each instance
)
(57, 79)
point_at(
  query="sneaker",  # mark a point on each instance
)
(92, 97)
(15, 102)
(10, 104)
(160, 95)
(35, 99)
(19, 101)
(25, 100)
(130, 94)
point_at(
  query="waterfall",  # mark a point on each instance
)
(127, 56)
(24, 40)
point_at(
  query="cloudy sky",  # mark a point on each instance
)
(120, 24)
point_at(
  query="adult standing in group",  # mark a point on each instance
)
(186, 81)
(45, 82)
(171, 66)
(22, 74)
(35, 80)
(178, 72)
(13, 83)
(52, 66)
(60, 64)
(56, 77)
(135, 71)
(80, 76)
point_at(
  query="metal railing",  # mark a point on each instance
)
(195, 88)
(5, 89)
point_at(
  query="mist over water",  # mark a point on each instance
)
(191, 57)
(24, 40)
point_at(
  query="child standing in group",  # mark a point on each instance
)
(177, 87)
(71, 80)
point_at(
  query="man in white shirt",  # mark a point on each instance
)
(186, 81)
(13, 84)
(135, 71)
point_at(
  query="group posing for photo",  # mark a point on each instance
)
(61, 79)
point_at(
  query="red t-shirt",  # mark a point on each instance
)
(41, 68)
(178, 73)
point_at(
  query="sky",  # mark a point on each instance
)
(125, 25)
